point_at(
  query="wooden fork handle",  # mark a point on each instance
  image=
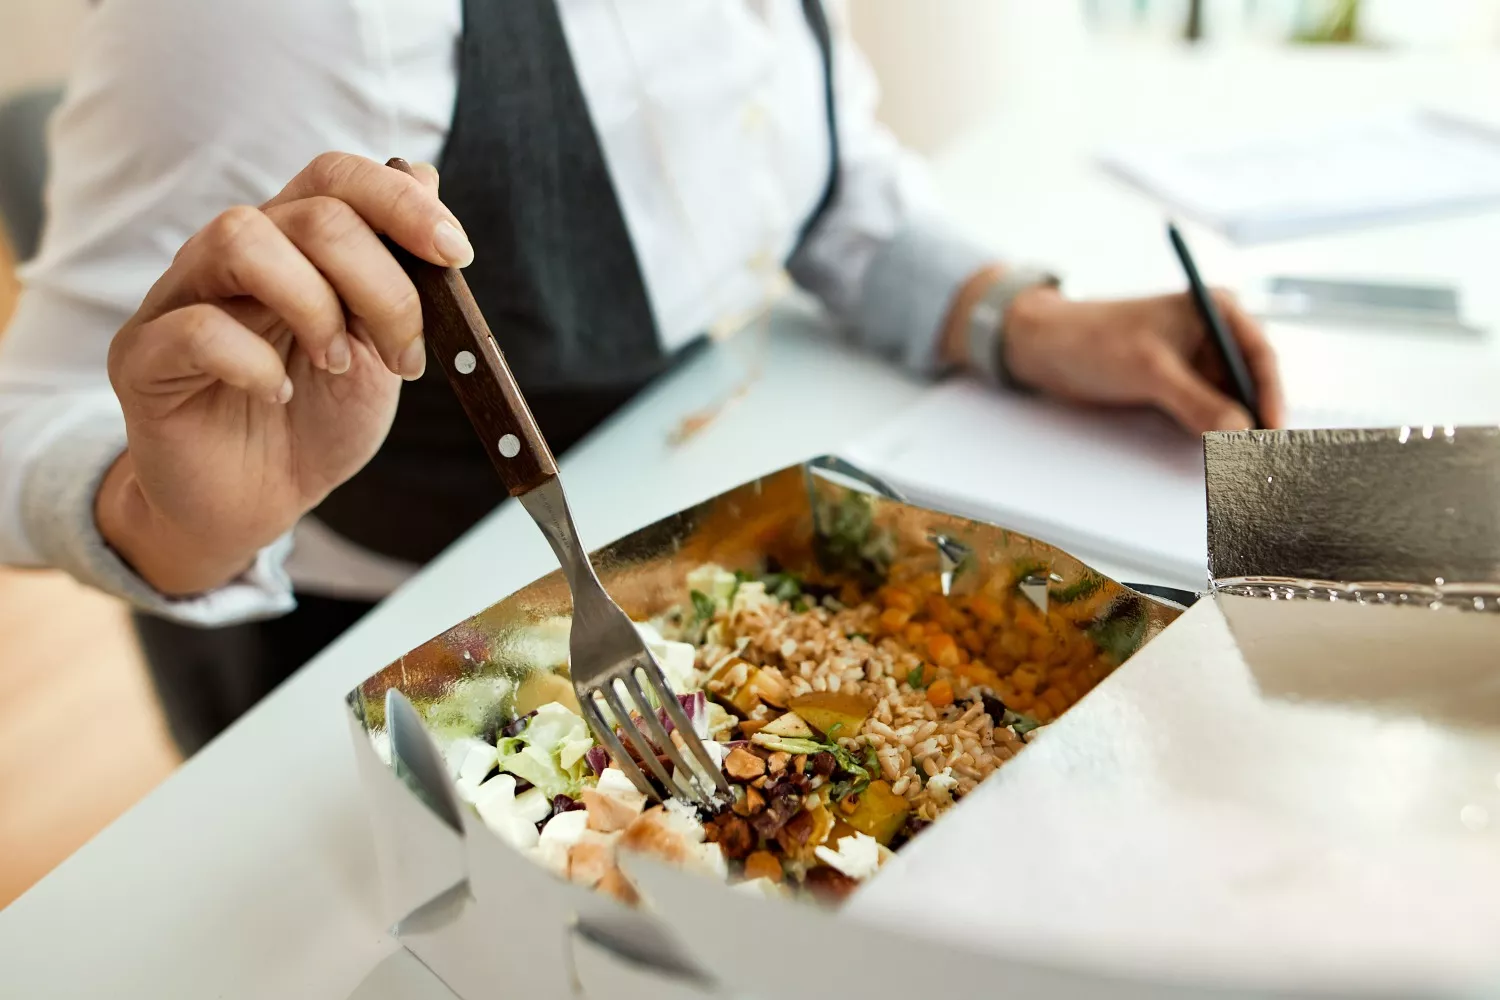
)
(461, 342)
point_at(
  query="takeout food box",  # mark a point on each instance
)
(959, 910)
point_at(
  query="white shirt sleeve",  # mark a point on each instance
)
(176, 111)
(884, 260)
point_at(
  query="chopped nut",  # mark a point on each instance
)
(799, 762)
(778, 812)
(760, 782)
(763, 864)
(829, 884)
(796, 833)
(742, 765)
(849, 803)
(750, 803)
(778, 761)
(734, 836)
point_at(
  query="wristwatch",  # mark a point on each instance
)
(987, 321)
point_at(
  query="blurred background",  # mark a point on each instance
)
(947, 66)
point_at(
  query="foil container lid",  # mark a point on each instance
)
(1357, 511)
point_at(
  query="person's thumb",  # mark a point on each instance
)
(1184, 393)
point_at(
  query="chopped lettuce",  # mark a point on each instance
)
(549, 752)
(751, 595)
(714, 583)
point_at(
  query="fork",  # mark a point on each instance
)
(608, 654)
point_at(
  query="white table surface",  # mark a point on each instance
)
(248, 872)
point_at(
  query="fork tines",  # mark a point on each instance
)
(648, 738)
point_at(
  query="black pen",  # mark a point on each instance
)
(1218, 332)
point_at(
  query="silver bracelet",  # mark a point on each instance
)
(987, 321)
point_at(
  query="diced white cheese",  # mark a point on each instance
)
(685, 819)
(616, 785)
(478, 762)
(711, 857)
(942, 785)
(558, 836)
(858, 856)
(759, 887)
(496, 803)
(716, 753)
(533, 805)
(676, 658)
(566, 828)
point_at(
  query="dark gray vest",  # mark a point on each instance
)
(554, 272)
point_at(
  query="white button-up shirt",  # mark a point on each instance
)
(710, 114)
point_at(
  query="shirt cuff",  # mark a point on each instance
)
(57, 511)
(909, 289)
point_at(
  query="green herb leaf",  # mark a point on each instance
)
(914, 678)
(833, 731)
(782, 586)
(703, 605)
(740, 576)
(859, 774)
(1022, 724)
(859, 635)
(848, 541)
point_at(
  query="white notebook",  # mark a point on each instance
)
(1344, 175)
(1119, 487)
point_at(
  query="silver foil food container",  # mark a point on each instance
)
(490, 922)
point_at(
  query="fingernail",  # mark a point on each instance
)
(284, 394)
(453, 244)
(426, 171)
(339, 357)
(413, 360)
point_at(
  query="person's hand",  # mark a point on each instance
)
(1147, 352)
(263, 369)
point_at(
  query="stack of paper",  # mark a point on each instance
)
(1346, 175)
